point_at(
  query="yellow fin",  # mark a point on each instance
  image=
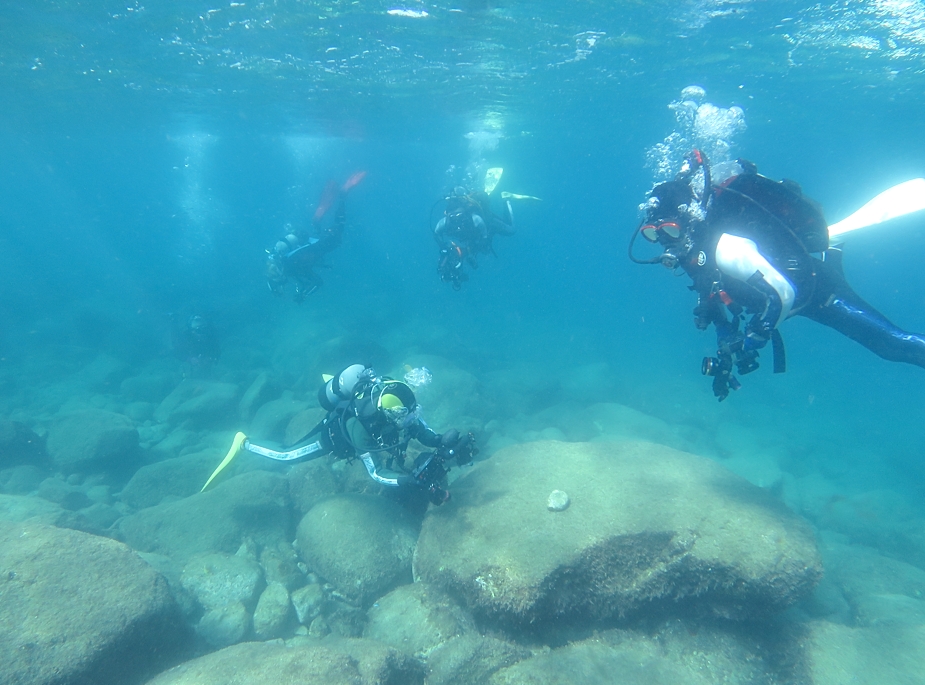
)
(239, 439)
(514, 196)
(326, 377)
(492, 176)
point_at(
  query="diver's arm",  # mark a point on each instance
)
(424, 434)
(440, 232)
(739, 258)
(384, 477)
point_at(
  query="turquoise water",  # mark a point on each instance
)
(151, 152)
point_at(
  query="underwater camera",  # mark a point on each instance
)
(429, 473)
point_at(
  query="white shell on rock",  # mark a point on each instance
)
(558, 501)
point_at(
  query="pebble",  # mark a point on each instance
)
(558, 501)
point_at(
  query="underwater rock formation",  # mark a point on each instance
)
(76, 608)
(91, 439)
(338, 661)
(649, 528)
(254, 504)
(362, 544)
(417, 619)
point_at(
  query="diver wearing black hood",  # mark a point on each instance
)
(758, 248)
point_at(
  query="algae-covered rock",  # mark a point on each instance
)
(76, 608)
(307, 662)
(361, 544)
(648, 526)
(91, 439)
(254, 505)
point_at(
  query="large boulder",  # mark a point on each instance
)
(253, 505)
(177, 477)
(76, 608)
(273, 417)
(361, 544)
(20, 508)
(19, 445)
(648, 527)
(877, 655)
(692, 655)
(200, 403)
(417, 619)
(91, 439)
(471, 659)
(329, 662)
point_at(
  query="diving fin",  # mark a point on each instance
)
(904, 198)
(236, 444)
(492, 177)
(514, 196)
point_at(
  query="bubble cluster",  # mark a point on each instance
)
(418, 377)
(699, 124)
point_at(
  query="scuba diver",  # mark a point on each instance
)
(466, 230)
(300, 253)
(759, 250)
(196, 343)
(374, 419)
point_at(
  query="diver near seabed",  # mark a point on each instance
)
(374, 419)
(299, 253)
(468, 227)
(197, 344)
(760, 250)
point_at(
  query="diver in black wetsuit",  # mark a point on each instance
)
(758, 248)
(466, 230)
(197, 344)
(297, 256)
(374, 419)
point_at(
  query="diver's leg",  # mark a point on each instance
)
(504, 226)
(839, 307)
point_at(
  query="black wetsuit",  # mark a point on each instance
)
(789, 231)
(301, 261)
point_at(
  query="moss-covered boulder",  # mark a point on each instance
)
(648, 527)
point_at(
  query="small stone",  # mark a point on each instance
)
(272, 613)
(224, 626)
(307, 602)
(558, 501)
(319, 628)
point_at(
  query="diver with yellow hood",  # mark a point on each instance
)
(373, 419)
